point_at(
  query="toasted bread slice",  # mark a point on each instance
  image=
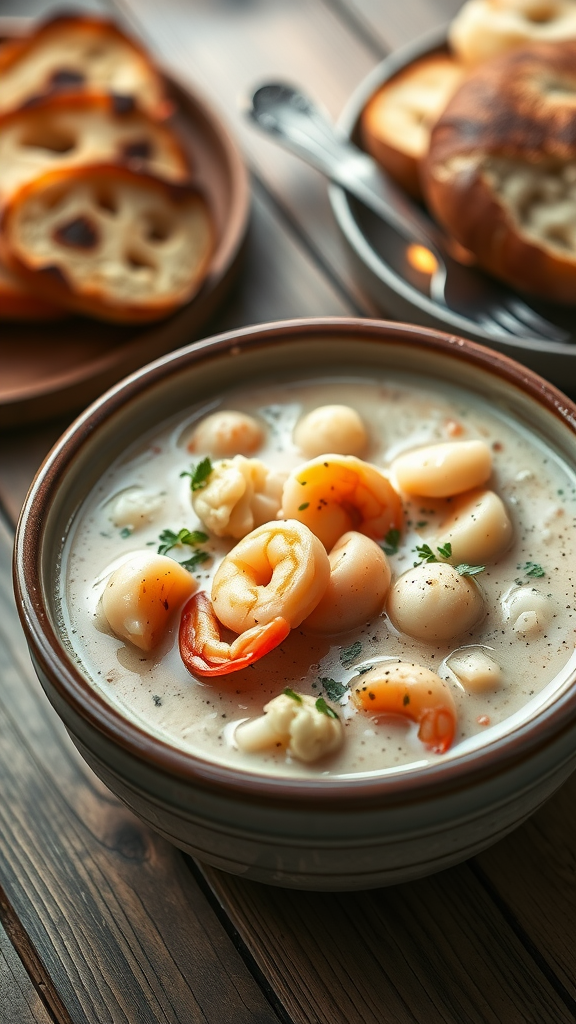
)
(110, 242)
(67, 131)
(19, 302)
(76, 53)
(396, 123)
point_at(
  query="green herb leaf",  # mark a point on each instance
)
(532, 569)
(349, 654)
(125, 532)
(168, 539)
(334, 689)
(302, 507)
(325, 708)
(199, 474)
(425, 553)
(293, 695)
(192, 563)
(469, 570)
(445, 549)
(391, 542)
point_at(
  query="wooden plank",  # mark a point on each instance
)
(228, 49)
(19, 1001)
(278, 280)
(114, 923)
(432, 952)
(534, 873)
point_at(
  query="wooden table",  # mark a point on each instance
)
(100, 919)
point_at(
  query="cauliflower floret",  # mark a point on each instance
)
(306, 726)
(240, 495)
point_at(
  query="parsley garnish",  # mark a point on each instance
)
(302, 507)
(325, 708)
(391, 542)
(293, 695)
(532, 569)
(168, 539)
(125, 532)
(199, 474)
(195, 560)
(349, 654)
(425, 553)
(469, 570)
(445, 549)
(334, 689)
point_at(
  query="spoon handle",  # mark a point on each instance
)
(299, 125)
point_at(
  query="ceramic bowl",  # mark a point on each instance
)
(316, 833)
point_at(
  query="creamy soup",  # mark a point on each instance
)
(513, 648)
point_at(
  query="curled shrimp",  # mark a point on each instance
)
(333, 494)
(204, 653)
(279, 570)
(413, 692)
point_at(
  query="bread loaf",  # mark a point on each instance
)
(485, 28)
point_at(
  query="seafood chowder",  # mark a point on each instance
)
(335, 577)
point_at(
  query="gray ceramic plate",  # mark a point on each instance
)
(378, 260)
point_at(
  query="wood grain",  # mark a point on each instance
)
(435, 951)
(19, 1001)
(109, 909)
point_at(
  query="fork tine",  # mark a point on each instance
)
(510, 323)
(536, 322)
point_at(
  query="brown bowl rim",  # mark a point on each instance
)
(502, 754)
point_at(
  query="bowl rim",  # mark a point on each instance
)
(71, 687)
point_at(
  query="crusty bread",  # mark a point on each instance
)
(501, 170)
(77, 52)
(485, 28)
(19, 302)
(396, 123)
(69, 130)
(108, 241)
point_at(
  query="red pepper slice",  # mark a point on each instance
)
(205, 654)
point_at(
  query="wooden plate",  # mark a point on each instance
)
(53, 368)
(378, 258)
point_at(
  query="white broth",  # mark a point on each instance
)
(506, 666)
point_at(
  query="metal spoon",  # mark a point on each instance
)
(298, 124)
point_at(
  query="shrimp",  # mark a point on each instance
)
(413, 692)
(204, 653)
(333, 494)
(279, 570)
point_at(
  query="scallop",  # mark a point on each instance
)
(478, 528)
(443, 470)
(226, 433)
(434, 603)
(331, 428)
(356, 592)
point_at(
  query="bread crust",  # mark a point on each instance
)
(396, 122)
(50, 269)
(151, 95)
(519, 109)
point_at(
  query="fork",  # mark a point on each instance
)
(298, 124)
